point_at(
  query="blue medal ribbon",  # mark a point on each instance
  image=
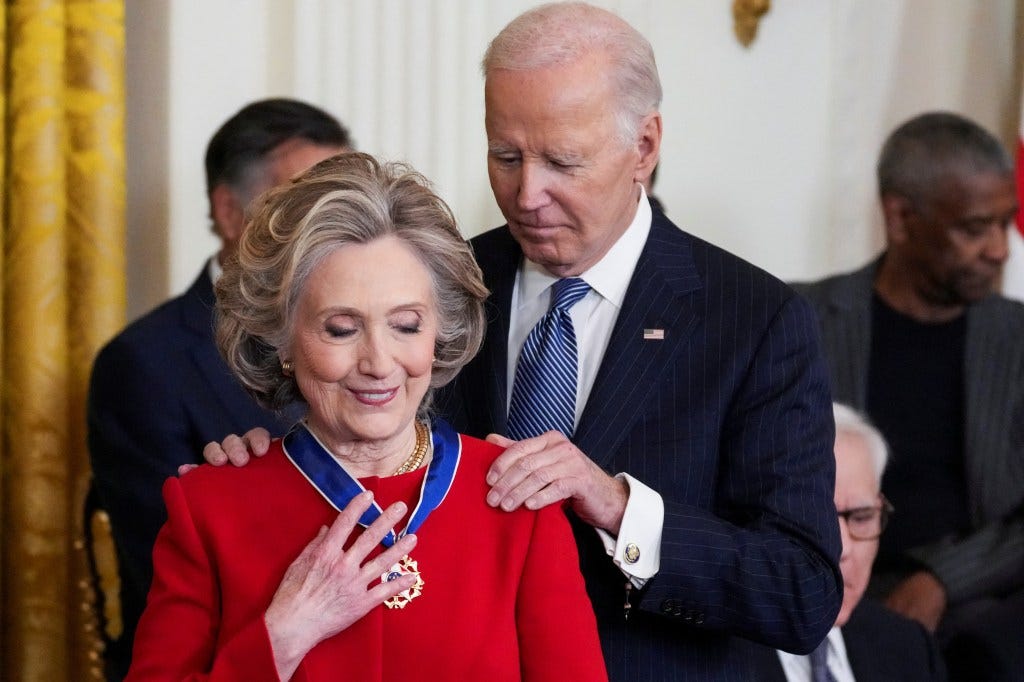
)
(329, 477)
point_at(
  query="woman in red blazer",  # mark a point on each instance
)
(361, 546)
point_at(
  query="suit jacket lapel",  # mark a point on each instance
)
(221, 384)
(992, 359)
(846, 336)
(499, 264)
(659, 297)
(859, 640)
(197, 306)
(496, 351)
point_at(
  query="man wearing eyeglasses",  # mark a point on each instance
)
(868, 642)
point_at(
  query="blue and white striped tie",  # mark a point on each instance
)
(544, 388)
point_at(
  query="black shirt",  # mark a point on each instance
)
(915, 396)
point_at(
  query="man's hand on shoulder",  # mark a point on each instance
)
(233, 449)
(540, 471)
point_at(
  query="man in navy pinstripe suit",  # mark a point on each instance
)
(701, 385)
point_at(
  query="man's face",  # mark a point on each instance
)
(284, 162)
(856, 488)
(292, 157)
(956, 243)
(562, 176)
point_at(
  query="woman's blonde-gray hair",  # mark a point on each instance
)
(347, 199)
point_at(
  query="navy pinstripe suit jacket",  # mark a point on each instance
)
(729, 418)
(990, 559)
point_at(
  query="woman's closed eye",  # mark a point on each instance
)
(340, 326)
(339, 332)
(406, 322)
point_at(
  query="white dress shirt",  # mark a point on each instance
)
(214, 269)
(798, 668)
(593, 319)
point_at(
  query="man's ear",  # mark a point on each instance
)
(227, 212)
(897, 211)
(648, 146)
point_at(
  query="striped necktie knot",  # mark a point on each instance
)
(567, 293)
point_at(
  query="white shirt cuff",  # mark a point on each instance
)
(637, 550)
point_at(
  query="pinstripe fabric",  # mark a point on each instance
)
(989, 560)
(544, 389)
(729, 419)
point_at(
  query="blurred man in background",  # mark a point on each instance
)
(919, 340)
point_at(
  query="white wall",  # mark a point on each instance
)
(768, 151)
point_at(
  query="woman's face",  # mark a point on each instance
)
(363, 342)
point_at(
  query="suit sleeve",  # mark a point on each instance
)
(989, 560)
(178, 636)
(555, 622)
(137, 438)
(761, 560)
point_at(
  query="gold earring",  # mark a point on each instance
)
(287, 367)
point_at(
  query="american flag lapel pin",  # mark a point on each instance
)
(654, 335)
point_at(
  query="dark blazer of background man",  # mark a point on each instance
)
(919, 341)
(711, 391)
(881, 646)
(160, 390)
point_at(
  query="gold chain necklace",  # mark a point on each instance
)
(418, 453)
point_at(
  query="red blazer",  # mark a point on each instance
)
(503, 598)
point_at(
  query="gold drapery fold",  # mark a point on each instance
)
(63, 295)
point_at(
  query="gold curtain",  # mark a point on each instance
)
(62, 270)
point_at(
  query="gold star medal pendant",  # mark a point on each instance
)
(407, 566)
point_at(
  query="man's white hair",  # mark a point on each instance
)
(561, 33)
(853, 423)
